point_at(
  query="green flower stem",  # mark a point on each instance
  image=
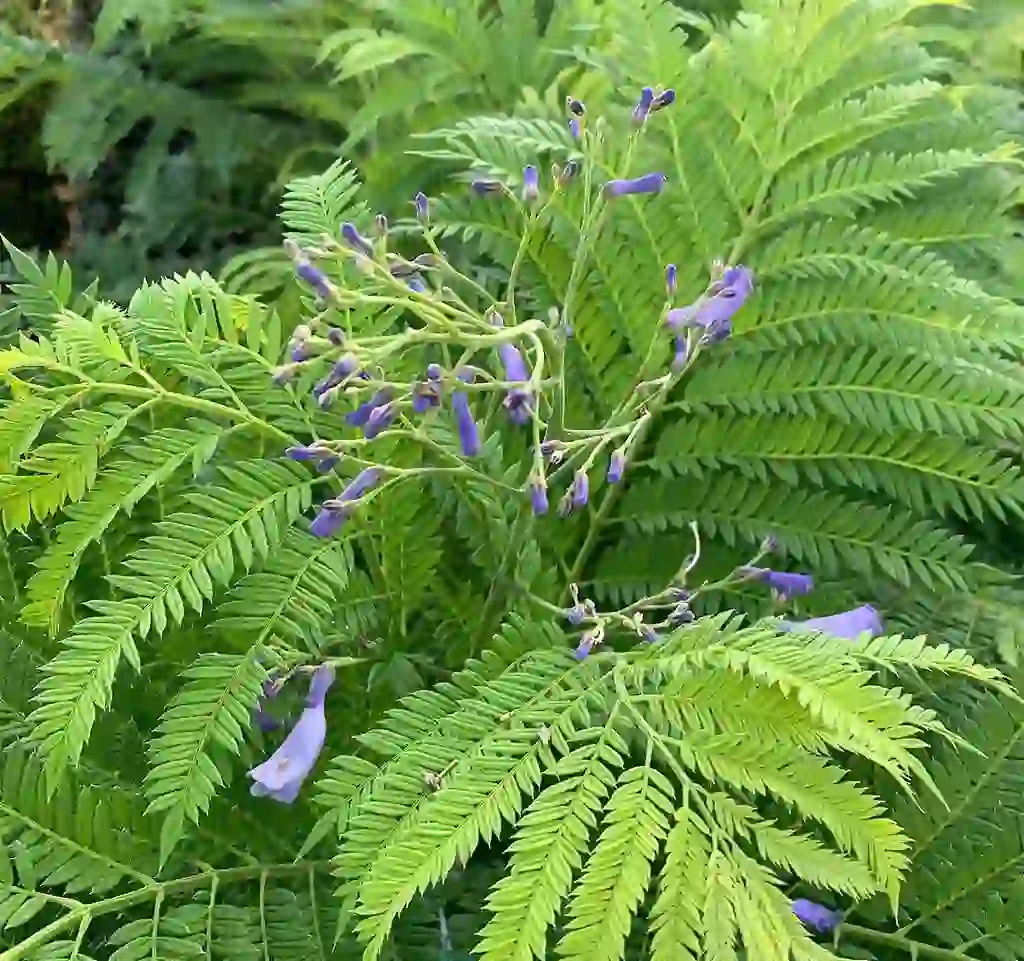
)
(83, 913)
(897, 941)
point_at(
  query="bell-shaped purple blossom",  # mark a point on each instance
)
(714, 311)
(816, 916)
(643, 106)
(616, 466)
(281, 776)
(531, 184)
(350, 234)
(664, 99)
(422, 205)
(380, 420)
(848, 624)
(575, 130)
(647, 184)
(304, 453)
(784, 583)
(343, 368)
(334, 512)
(517, 400)
(487, 188)
(469, 433)
(361, 415)
(580, 489)
(671, 279)
(538, 496)
(315, 277)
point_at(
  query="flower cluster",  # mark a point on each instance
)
(481, 363)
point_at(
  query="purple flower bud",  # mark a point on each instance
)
(816, 915)
(380, 420)
(580, 489)
(422, 205)
(328, 521)
(538, 496)
(469, 434)
(356, 240)
(575, 107)
(364, 482)
(302, 351)
(343, 368)
(315, 278)
(361, 415)
(434, 372)
(616, 466)
(785, 584)
(680, 614)
(336, 336)
(671, 279)
(682, 352)
(280, 777)
(487, 188)
(647, 184)
(643, 106)
(416, 284)
(574, 128)
(848, 624)
(328, 464)
(302, 453)
(531, 184)
(664, 99)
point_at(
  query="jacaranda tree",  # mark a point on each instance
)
(587, 598)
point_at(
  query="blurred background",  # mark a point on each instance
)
(142, 137)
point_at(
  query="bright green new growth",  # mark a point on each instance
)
(651, 804)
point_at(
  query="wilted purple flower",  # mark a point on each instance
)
(647, 184)
(427, 394)
(469, 434)
(848, 624)
(568, 172)
(531, 184)
(643, 106)
(575, 107)
(816, 915)
(580, 489)
(575, 614)
(333, 513)
(616, 466)
(280, 777)
(538, 496)
(671, 279)
(588, 642)
(380, 420)
(784, 583)
(422, 205)
(361, 415)
(486, 188)
(380, 225)
(714, 311)
(574, 128)
(517, 401)
(664, 99)
(315, 278)
(356, 240)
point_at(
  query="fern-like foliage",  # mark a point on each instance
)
(486, 789)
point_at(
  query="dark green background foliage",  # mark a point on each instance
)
(860, 155)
